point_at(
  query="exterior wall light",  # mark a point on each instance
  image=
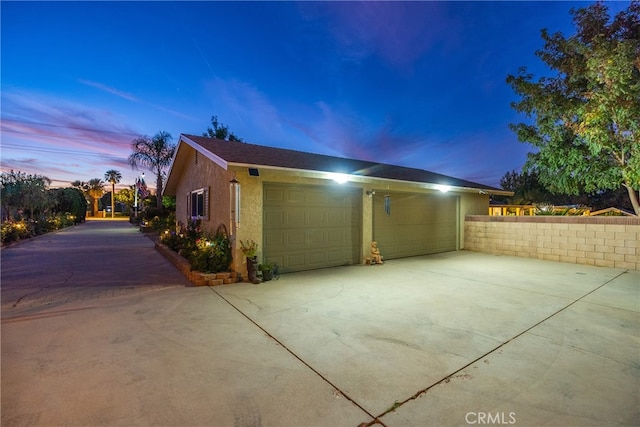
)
(442, 188)
(340, 178)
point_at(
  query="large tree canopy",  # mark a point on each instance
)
(585, 123)
(24, 194)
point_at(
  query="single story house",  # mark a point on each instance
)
(310, 211)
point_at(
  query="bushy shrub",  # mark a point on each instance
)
(206, 253)
(14, 230)
(162, 223)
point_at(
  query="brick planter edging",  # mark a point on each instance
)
(196, 278)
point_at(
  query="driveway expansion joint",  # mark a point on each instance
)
(280, 343)
(448, 378)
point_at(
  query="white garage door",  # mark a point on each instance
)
(308, 227)
(415, 224)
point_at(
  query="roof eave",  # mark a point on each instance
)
(367, 179)
(191, 143)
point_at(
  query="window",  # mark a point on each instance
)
(198, 204)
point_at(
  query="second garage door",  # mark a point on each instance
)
(414, 224)
(308, 227)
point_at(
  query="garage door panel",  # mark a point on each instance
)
(419, 224)
(317, 258)
(316, 218)
(317, 238)
(294, 238)
(274, 218)
(337, 237)
(275, 239)
(335, 256)
(320, 225)
(293, 261)
(273, 195)
(296, 218)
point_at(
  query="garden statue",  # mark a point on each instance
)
(376, 258)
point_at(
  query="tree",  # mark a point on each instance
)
(70, 200)
(526, 188)
(126, 196)
(220, 131)
(24, 194)
(586, 118)
(155, 154)
(113, 176)
(95, 189)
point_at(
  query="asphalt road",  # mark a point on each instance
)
(94, 260)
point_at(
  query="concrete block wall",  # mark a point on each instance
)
(599, 241)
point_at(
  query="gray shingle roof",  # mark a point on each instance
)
(260, 155)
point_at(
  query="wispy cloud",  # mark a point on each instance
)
(40, 118)
(62, 139)
(111, 90)
(132, 98)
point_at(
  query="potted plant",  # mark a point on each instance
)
(267, 271)
(249, 249)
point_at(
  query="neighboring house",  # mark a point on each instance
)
(310, 211)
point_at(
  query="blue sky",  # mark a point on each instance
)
(418, 84)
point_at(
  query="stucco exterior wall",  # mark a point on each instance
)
(599, 241)
(204, 174)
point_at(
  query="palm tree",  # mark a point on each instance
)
(113, 176)
(154, 154)
(95, 189)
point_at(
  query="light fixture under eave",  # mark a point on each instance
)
(340, 178)
(442, 188)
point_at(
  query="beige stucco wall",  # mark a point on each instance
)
(599, 241)
(204, 174)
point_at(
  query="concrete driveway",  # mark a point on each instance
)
(452, 339)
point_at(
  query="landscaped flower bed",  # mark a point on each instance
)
(15, 230)
(203, 258)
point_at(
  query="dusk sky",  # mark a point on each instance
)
(418, 84)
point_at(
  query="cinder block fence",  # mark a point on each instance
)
(599, 241)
